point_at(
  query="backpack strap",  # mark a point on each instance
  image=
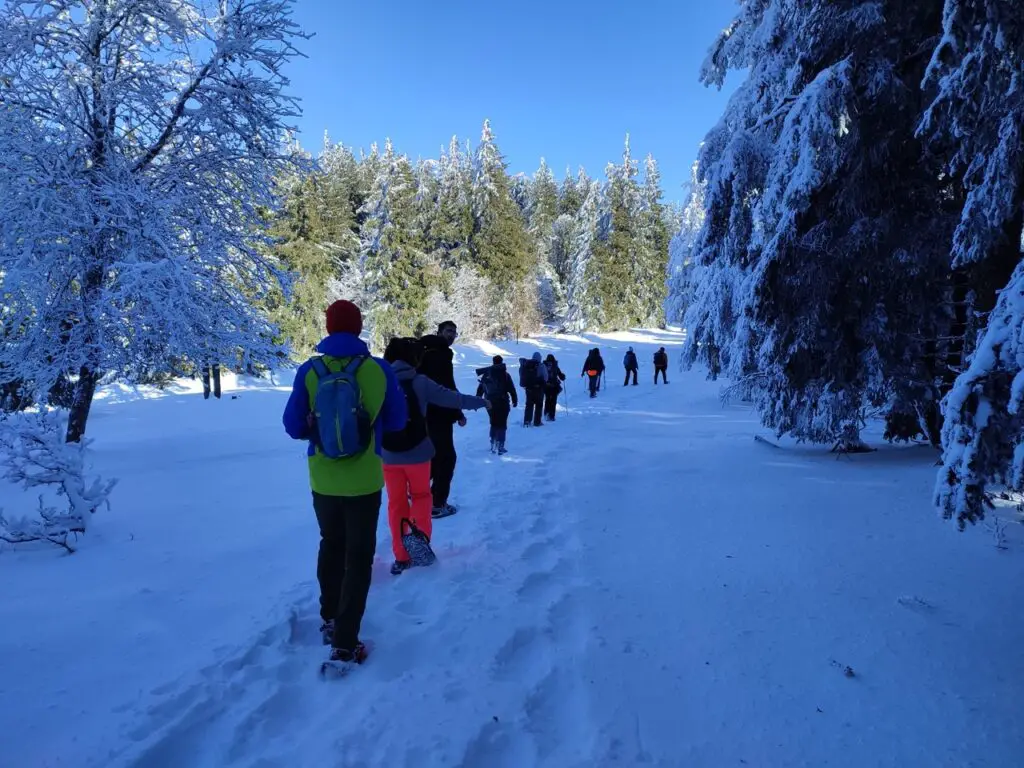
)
(319, 367)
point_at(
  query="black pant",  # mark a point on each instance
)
(442, 466)
(550, 403)
(499, 422)
(348, 541)
(534, 406)
(595, 384)
(664, 374)
(630, 371)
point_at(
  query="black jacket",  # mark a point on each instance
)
(498, 371)
(437, 365)
(555, 376)
(594, 363)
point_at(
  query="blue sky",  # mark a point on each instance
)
(560, 79)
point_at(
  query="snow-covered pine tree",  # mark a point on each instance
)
(316, 234)
(827, 221)
(616, 254)
(453, 226)
(977, 117)
(500, 246)
(394, 263)
(541, 215)
(571, 192)
(681, 273)
(581, 312)
(140, 141)
(653, 251)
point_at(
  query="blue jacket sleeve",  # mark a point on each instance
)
(394, 412)
(296, 412)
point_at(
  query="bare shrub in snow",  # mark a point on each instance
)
(34, 455)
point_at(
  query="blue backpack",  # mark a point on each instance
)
(343, 425)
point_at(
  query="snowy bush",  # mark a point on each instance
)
(34, 455)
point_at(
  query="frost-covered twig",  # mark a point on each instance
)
(33, 454)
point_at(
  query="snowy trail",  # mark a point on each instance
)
(640, 583)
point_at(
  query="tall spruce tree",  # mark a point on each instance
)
(653, 251)
(616, 264)
(681, 272)
(541, 214)
(581, 303)
(500, 246)
(977, 120)
(827, 220)
(394, 264)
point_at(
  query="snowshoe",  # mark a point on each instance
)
(343, 661)
(417, 544)
(400, 566)
(445, 511)
(327, 632)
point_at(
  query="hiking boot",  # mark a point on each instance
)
(501, 449)
(327, 632)
(400, 566)
(494, 446)
(344, 656)
(443, 511)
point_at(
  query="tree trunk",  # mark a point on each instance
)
(85, 390)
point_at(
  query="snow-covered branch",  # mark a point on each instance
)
(33, 455)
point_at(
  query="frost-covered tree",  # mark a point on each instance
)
(500, 246)
(617, 254)
(581, 309)
(453, 224)
(823, 259)
(394, 263)
(541, 215)
(138, 148)
(653, 252)
(977, 117)
(681, 273)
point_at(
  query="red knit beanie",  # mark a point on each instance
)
(344, 317)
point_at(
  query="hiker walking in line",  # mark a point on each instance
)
(342, 402)
(407, 455)
(661, 365)
(497, 386)
(533, 378)
(555, 377)
(437, 365)
(632, 365)
(593, 368)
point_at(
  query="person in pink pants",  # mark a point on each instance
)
(407, 454)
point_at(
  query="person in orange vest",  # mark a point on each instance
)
(593, 368)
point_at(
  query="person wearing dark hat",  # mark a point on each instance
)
(553, 387)
(346, 470)
(438, 365)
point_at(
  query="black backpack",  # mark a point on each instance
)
(529, 376)
(493, 381)
(660, 360)
(415, 430)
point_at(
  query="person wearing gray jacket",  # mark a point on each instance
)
(407, 454)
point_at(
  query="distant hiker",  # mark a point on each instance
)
(593, 368)
(632, 365)
(343, 401)
(437, 365)
(533, 377)
(208, 370)
(553, 386)
(407, 455)
(497, 386)
(661, 365)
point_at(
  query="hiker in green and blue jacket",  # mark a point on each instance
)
(346, 491)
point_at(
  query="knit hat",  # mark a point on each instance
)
(344, 317)
(536, 356)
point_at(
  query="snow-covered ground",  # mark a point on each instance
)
(640, 583)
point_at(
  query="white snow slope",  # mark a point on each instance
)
(640, 583)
